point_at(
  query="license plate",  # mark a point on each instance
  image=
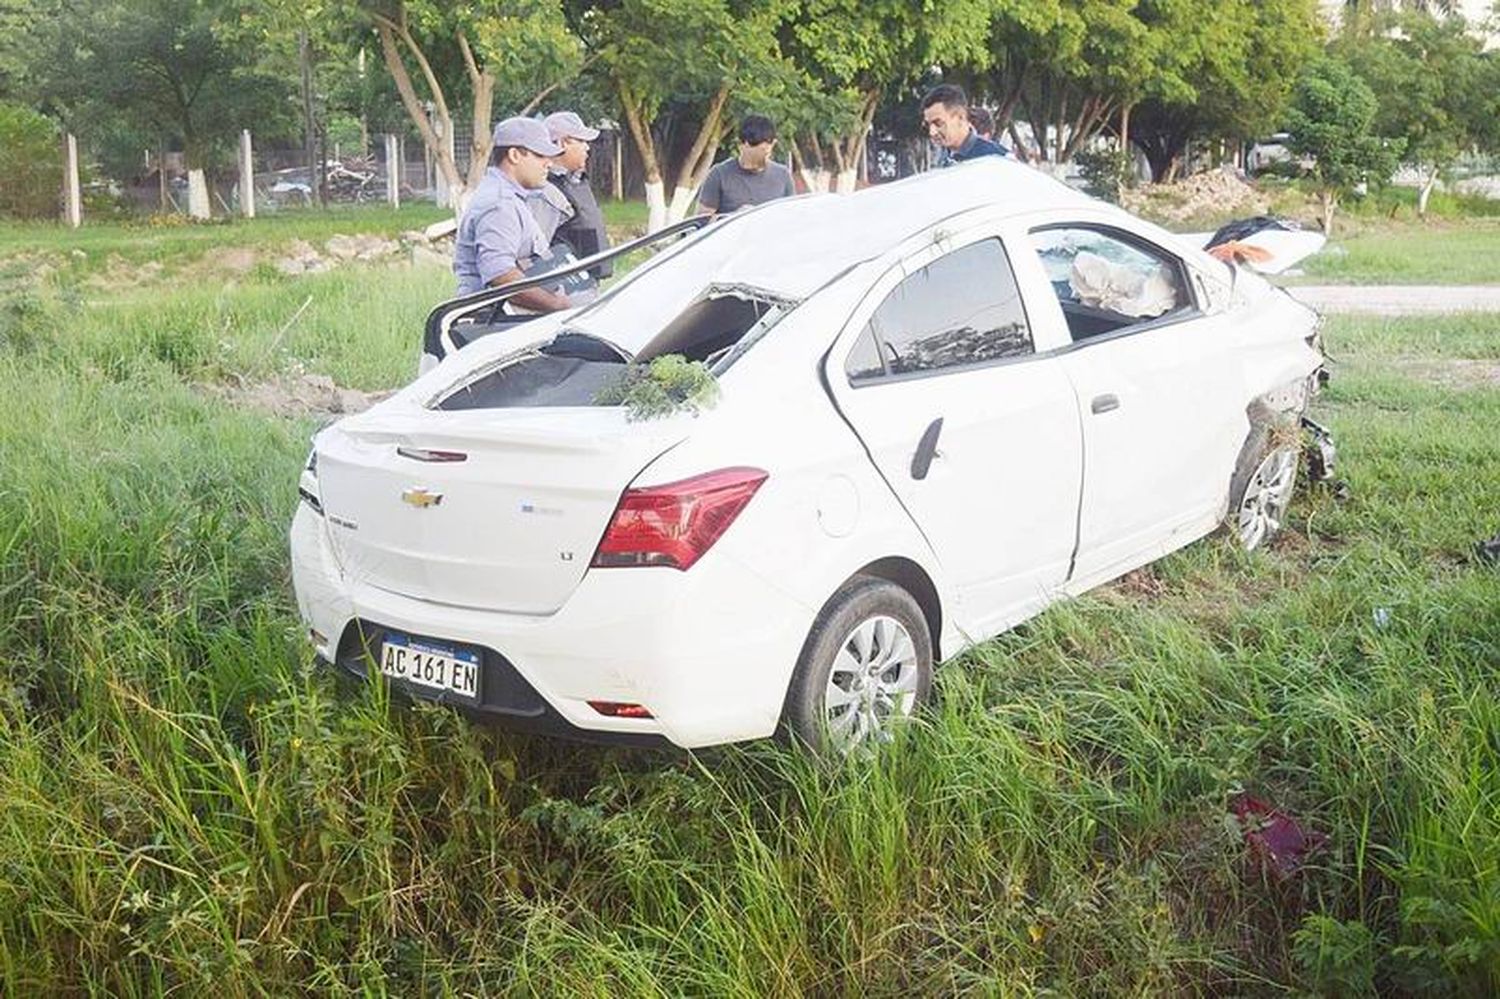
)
(426, 664)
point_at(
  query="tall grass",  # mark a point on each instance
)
(187, 804)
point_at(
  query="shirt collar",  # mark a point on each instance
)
(507, 185)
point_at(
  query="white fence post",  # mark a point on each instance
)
(247, 175)
(72, 193)
(619, 165)
(392, 170)
(198, 206)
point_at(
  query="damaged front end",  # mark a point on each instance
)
(1319, 452)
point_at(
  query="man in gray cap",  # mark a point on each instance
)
(567, 209)
(498, 239)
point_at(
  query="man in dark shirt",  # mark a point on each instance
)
(750, 178)
(945, 112)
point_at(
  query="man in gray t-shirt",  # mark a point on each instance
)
(750, 178)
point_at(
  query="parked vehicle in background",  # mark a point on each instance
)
(945, 403)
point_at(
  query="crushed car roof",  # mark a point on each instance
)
(792, 247)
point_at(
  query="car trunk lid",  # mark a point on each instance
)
(489, 509)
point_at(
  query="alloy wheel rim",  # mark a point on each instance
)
(1267, 495)
(872, 683)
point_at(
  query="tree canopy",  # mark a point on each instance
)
(1060, 76)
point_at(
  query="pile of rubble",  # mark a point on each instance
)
(1218, 193)
(303, 258)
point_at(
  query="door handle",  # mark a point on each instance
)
(926, 449)
(1104, 403)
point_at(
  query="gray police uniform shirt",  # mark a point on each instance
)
(497, 234)
(730, 187)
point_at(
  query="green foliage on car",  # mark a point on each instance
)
(663, 387)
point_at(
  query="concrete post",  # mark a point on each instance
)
(619, 165)
(72, 192)
(392, 171)
(247, 176)
(198, 206)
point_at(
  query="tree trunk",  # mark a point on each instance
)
(1330, 202)
(850, 149)
(810, 169)
(656, 205)
(1426, 192)
(483, 83)
(700, 158)
(309, 127)
(645, 144)
(442, 157)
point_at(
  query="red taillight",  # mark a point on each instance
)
(674, 524)
(617, 709)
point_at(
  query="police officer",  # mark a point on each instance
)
(567, 209)
(498, 238)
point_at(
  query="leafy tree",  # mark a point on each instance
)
(1331, 119)
(860, 51)
(159, 67)
(1439, 114)
(30, 162)
(510, 53)
(659, 52)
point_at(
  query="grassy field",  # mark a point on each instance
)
(1440, 252)
(186, 803)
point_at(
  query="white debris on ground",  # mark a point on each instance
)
(1219, 192)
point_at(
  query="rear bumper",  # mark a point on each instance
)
(507, 701)
(708, 652)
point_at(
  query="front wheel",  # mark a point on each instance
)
(1263, 485)
(866, 666)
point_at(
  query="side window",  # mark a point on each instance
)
(961, 309)
(864, 360)
(1105, 283)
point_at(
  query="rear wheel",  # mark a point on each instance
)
(866, 666)
(1263, 484)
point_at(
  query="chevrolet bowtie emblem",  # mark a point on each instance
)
(421, 497)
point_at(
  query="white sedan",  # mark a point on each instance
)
(944, 404)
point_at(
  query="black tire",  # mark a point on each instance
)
(863, 599)
(1267, 437)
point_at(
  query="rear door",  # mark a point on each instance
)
(938, 373)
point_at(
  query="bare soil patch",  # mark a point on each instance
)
(297, 396)
(1453, 373)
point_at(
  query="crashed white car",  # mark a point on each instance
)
(945, 403)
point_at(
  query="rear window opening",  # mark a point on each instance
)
(572, 369)
(568, 371)
(708, 329)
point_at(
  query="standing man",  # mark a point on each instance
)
(567, 209)
(498, 237)
(750, 178)
(945, 112)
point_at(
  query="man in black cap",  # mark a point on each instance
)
(498, 238)
(567, 210)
